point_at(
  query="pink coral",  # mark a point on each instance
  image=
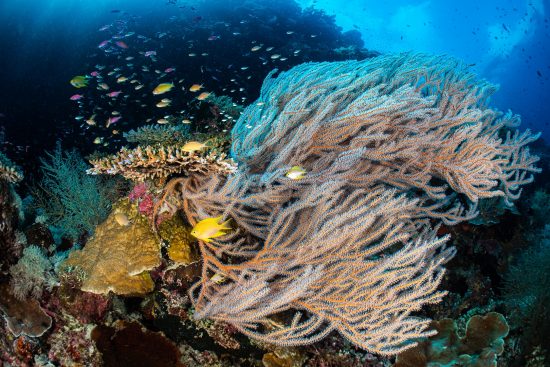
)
(146, 205)
(138, 192)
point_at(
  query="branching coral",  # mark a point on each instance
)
(388, 145)
(150, 162)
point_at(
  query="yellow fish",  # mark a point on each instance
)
(163, 88)
(121, 79)
(79, 81)
(162, 104)
(296, 173)
(91, 121)
(203, 96)
(162, 121)
(210, 228)
(195, 87)
(192, 146)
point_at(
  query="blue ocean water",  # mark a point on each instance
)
(507, 42)
(46, 43)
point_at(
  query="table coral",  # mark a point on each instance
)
(118, 258)
(159, 162)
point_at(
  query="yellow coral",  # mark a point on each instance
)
(118, 258)
(179, 239)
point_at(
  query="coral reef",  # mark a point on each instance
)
(386, 144)
(339, 267)
(119, 256)
(479, 347)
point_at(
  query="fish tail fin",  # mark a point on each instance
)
(225, 225)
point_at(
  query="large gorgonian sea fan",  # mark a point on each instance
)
(390, 145)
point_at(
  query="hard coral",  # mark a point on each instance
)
(23, 317)
(159, 163)
(118, 257)
(479, 347)
(179, 240)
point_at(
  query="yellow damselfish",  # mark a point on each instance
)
(163, 88)
(210, 228)
(192, 146)
(296, 173)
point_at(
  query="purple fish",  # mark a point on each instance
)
(112, 120)
(103, 44)
(76, 97)
(150, 53)
(121, 44)
(94, 73)
(114, 94)
(169, 70)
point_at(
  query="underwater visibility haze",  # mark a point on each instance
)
(305, 183)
